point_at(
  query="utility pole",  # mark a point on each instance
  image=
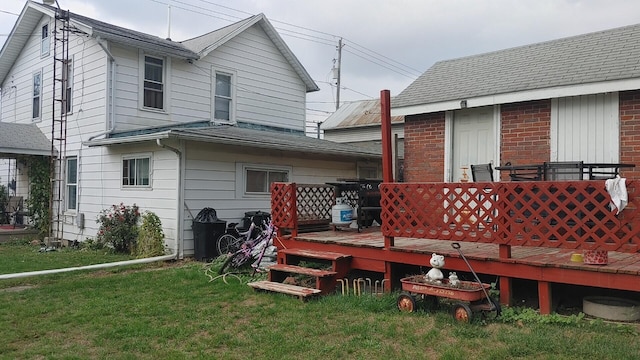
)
(337, 73)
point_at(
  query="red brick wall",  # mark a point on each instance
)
(424, 148)
(525, 133)
(630, 132)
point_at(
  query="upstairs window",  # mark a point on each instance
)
(68, 93)
(72, 183)
(37, 96)
(44, 41)
(153, 83)
(136, 172)
(222, 105)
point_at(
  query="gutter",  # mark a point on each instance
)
(179, 198)
(89, 267)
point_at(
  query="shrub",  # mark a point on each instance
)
(119, 227)
(150, 240)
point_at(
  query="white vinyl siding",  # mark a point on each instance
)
(585, 128)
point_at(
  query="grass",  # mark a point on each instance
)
(174, 311)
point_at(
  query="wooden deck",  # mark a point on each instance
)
(547, 265)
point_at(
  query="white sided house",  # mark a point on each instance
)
(173, 127)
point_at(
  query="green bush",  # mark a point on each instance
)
(4, 200)
(150, 240)
(119, 227)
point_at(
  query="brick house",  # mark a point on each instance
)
(570, 99)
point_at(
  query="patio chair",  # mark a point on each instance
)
(563, 170)
(482, 173)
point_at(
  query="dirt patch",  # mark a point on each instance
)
(18, 288)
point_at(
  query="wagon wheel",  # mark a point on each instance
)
(492, 314)
(462, 313)
(406, 302)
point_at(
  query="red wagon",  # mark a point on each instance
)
(472, 296)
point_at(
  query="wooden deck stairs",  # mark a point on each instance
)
(295, 262)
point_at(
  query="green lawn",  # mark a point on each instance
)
(174, 311)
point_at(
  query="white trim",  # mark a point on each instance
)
(39, 73)
(215, 70)
(241, 169)
(536, 94)
(67, 184)
(43, 53)
(448, 141)
(137, 156)
(166, 64)
(497, 126)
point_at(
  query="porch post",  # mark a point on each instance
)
(505, 282)
(387, 164)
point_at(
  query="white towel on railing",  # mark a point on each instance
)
(617, 189)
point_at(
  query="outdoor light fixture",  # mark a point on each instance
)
(463, 104)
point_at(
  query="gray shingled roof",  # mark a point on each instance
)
(590, 58)
(251, 138)
(133, 38)
(22, 139)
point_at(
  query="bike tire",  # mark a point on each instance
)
(228, 244)
(228, 263)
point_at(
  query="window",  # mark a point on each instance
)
(37, 95)
(222, 105)
(153, 83)
(44, 41)
(68, 93)
(72, 183)
(136, 172)
(258, 181)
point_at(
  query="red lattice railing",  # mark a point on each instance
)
(294, 204)
(564, 214)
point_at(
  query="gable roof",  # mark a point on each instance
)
(260, 139)
(584, 64)
(357, 114)
(206, 43)
(22, 139)
(193, 49)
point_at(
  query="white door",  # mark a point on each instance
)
(585, 128)
(473, 140)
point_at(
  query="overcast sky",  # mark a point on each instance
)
(387, 44)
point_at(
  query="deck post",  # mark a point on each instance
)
(387, 156)
(544, 297)
(505, 282)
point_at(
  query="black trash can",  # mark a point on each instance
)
(259, 217)
(207, 228)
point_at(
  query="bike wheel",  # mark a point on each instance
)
(228, 244)
(228, 263)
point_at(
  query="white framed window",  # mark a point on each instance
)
(154, 83)
(223, 95)
(136, 171)
(257, 179)
(36, 103)
(72, 183)
(44, 41)
(68, 91)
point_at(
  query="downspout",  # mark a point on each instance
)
(180, 198)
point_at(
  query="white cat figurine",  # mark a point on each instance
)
(435, 274)
(453, 279)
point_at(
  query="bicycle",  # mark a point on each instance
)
(232, 239)
(253, 248)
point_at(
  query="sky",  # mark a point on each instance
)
(387, 44)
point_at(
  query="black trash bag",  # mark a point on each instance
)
(206, 215)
